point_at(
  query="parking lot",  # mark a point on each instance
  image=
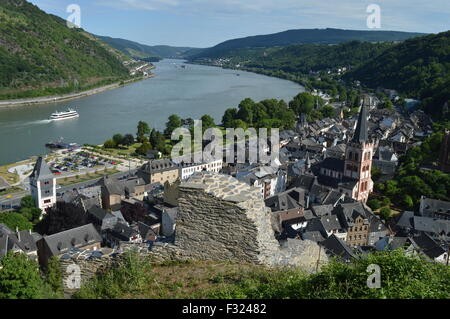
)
(76, 161)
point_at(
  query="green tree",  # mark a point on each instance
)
(408, 201)
(207, 122)
(110, 144)
(53, 276)
(20, 278)
(128, 140)
(144, 148)
(328, 111)
(245, 112)
(15, 220)
(158, 140)
(374, 204)
(29, 210)
(302, 103)
(142, 129)
(239, 124)
(27, 202)
(385, 213)
(228, 117)
(376, 173)
(118, 139)
(173, 123)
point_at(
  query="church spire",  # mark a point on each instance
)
(308, 161)
(361, 132)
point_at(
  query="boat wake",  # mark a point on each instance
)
(40, 122)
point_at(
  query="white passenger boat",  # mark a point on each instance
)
(69, 114)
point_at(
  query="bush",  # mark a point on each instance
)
(401, 277)
(128, 277)
(15, 220)
(20, 278)
(374, 204)
(385, 213)
(110, 144)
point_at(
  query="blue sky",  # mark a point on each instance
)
(204, 23)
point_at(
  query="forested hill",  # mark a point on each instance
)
(305, 36)
(417, 67)
(40, 55)
(303, 59)
(147, 52)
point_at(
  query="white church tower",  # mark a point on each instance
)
(43, 185)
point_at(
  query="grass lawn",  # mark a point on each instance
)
(11, 190)
(122, 152)
(193, 280)
(11, 178)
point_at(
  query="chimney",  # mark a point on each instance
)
(18, 233)
(307, 202)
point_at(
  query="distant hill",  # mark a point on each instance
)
(306, 58)
(305, 36)
(40, 55)
(418, 67)
(147, 52)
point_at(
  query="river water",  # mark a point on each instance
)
(188, 92)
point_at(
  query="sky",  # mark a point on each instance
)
(205, 23)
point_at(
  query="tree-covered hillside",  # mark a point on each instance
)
(417, 67)
(147, 52)
(318, 57)
(304, 36)
(40, 55)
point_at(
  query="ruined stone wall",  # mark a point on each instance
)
(219, 219)
(223, 219)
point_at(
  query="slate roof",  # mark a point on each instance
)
(332, 163)
(314, 235)
(145, 231)
(338, 248)
(291, 199)
(406, 220)
(160, 165)
(123, 232)
(23, 240)
(427, 246)
(41, 170)
(361, 131)
(430, 206)
(73, 238)
(432, 225)
(322, 210)
(330, 222)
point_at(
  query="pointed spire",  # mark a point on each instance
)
(361, 131)
(308, 161)
(41, 170)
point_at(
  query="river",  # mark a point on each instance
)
(188, 92)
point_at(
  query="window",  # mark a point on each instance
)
(47, 201)
(356, 156)
(350, 155)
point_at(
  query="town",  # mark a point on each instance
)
(317, 202)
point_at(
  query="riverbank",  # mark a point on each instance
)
(68, 97)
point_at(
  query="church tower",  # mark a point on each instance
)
(358, 159)
(43, 185)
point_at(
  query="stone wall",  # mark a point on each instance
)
(219, 219)
(223, 219)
